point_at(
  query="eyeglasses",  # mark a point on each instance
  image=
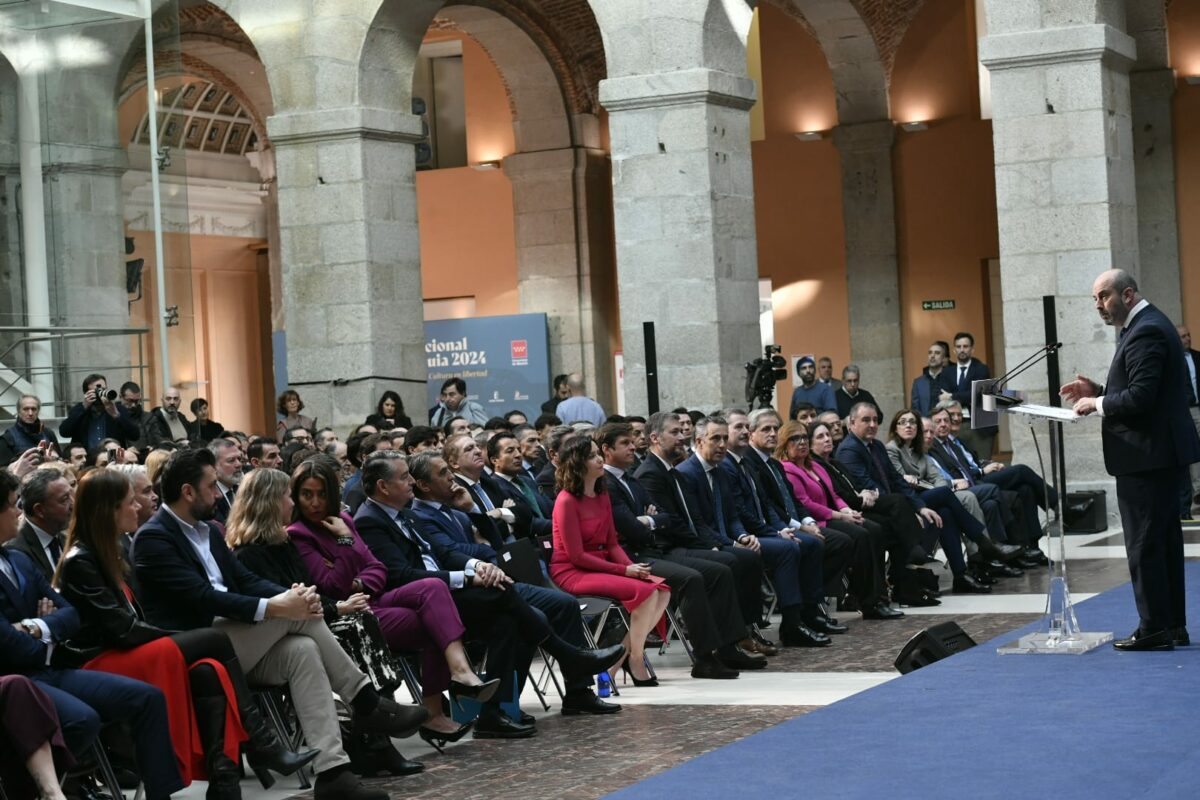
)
(797, 439)
(906, 423)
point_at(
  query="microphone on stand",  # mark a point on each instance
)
(995, 398)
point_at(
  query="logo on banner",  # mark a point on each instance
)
(520, 352)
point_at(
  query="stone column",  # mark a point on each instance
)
(351, 265)
(555, 274)
(1064, 188)
(869, 211)
(683, 201)
(1154, 168)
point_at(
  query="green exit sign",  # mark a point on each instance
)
(937, 305)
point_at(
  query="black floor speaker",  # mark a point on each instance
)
(1085, 512)
(932, 644)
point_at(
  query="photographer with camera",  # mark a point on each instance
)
(98, 417)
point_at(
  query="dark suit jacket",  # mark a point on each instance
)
(628, 505)
(770, 493)
(397, 552)
(156, 430)
(745, 489)
(854, 456)
(75, 426)
(435, 527)
(660, 485)
(529, 524)
(27, 543)
(845, 402)
(20, 653)
(843, 483)
(545, 481)
(718, 521)
(955, 463)
(926, 390)
(1146, 424)
(976, 371)
(174, 588)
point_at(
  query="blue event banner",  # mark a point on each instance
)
(505, 361)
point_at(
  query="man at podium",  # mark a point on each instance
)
(1149, 441)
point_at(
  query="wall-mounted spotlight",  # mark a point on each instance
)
(1192, 80)
(486, 165)
(810, 136)
(913, 127)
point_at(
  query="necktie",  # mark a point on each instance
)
(748, 482)
(880, 470)
(682, 501)
(481, 497)
(529, 496)
(718, 505)
(789, 504)
(962, 468)
(962, 374)
(55, 550)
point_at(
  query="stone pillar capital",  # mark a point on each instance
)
(1049, 46)
(862, 137)
(333, 124)
(683, 87)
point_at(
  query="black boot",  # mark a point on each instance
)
(223, 774)
(576, 661)
(265, 752)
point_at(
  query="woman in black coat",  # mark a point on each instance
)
(389, 413)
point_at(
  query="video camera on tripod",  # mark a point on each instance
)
(762, 374)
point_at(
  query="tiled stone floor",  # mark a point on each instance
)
(574, 758)
(582, 758)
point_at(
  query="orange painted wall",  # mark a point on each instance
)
(945, 182)
(221, 349)
(798, 195)
(1183, 29)
(468, 243)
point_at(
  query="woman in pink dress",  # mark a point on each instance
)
(587, 558)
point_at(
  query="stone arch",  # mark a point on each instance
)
(859, 73)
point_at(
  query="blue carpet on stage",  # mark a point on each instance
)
(980, 725)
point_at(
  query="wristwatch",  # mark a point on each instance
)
(31, 628)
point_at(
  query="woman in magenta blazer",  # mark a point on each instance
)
(416, 616)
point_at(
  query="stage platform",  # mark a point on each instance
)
(980, 725)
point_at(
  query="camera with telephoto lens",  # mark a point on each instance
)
(107, 394)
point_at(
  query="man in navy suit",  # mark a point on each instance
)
(490, 608)
(187, 579)
(1149, 442)
(509, 482)
(35, 620)
(967, 369)
(445, 513)
(796, 563)
(703, 591)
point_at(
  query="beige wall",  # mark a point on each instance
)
(945, 182)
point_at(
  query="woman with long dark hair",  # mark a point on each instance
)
(389, 413)
(209, 705)
(587, 558)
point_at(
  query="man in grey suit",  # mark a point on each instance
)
(1149, 442)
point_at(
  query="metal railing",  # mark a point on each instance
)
(59, 336)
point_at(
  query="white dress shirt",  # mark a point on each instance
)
(198, 538)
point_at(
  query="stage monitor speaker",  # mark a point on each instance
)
(1086, 512)
(932, 644)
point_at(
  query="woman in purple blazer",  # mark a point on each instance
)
(417, 616)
